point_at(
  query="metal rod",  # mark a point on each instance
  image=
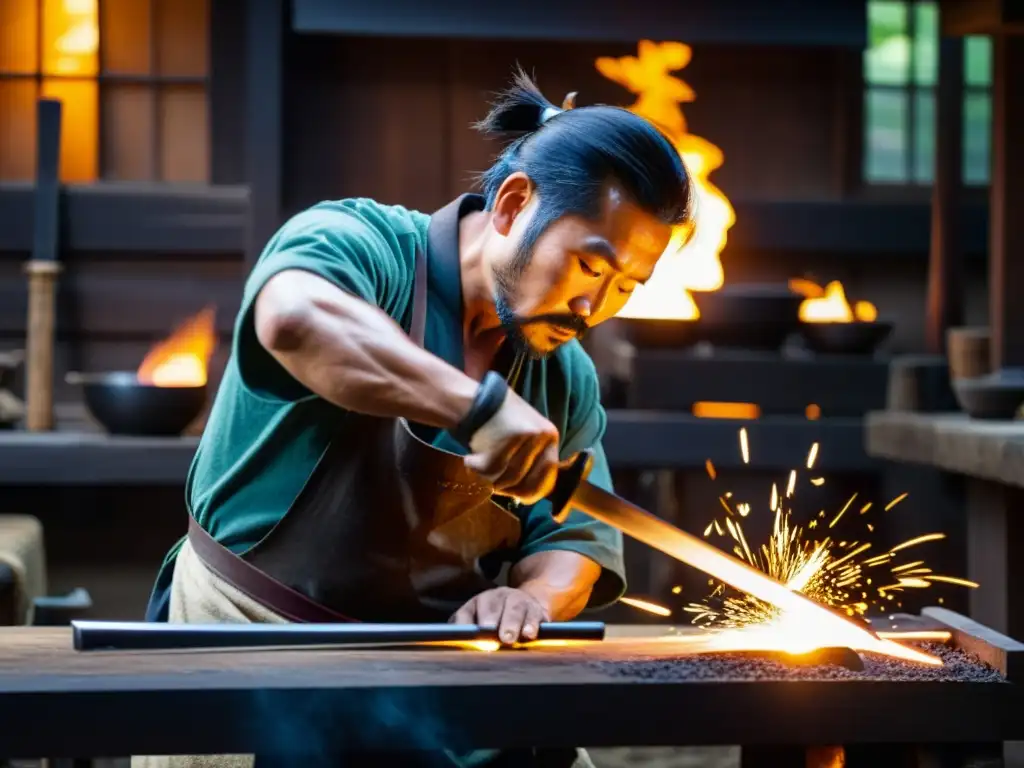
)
(136, 636)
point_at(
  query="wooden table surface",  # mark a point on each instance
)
(58, 702)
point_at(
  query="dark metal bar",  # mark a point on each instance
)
(135, 636)
(945, 303)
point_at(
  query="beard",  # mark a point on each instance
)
(515, 325)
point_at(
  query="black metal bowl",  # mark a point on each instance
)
(857, 338)
(124, 406)
(658, 333)
(996, 396)
(752, 316)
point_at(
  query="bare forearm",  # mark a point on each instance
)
(559, 579)
(354, 355)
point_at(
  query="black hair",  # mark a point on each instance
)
(572, 156)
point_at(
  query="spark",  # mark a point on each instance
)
(841, 511)
(817, 481)
(895, 501)
(918, 540)
(953, 580)
(812, 455)
(710, 468)
(646, 605)
(744, 446)
(831, 571)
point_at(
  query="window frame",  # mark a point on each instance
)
(909, 187)
(152, 80)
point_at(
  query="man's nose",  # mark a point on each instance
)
(592, 303)
(580, 306)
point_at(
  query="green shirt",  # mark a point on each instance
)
(266, 431)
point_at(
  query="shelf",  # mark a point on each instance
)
(987, 450)
(664, 440)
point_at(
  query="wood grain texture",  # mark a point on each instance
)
(124, 298)
(952, 442)
(42, 288)
(322, 702)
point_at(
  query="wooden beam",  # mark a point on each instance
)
(1006, 239)
(264, 104)
(227, 91)
(132, 218)
(945, 302)
(664, 440)
(147, 221)
(751, 22)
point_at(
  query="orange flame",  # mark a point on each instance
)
(182, 359)
(829, 304)
(691, 261)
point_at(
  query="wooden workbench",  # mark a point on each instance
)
(58, 702)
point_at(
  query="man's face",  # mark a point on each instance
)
(577, 274)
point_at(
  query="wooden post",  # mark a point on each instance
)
(945, 305)
(42, 314)
(1006, 240)
(42, 271)
(263, 132)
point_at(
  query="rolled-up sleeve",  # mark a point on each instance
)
(338, 246)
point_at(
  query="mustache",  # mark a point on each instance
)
(573, 323)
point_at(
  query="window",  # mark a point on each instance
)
(900, 67)
(132, 78)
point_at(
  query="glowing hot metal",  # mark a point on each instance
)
(813, 624)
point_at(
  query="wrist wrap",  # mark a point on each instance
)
(488, 400)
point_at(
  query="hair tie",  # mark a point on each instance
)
(569, 102)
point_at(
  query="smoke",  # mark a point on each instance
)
(293, 723)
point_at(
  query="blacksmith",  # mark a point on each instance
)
(375, 342)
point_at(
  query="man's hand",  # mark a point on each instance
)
(517, 451)
(516, 613)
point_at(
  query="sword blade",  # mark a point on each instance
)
(687, 548)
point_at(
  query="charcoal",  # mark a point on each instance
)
(958, 667)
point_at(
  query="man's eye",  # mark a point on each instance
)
(586, 268)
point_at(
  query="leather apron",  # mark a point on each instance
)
(388, 528)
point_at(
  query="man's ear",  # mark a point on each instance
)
(512, 198)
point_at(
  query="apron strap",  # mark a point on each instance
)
(265, 590)
(418, 328)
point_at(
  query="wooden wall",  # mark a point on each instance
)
(111, 311)
(390, 119)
